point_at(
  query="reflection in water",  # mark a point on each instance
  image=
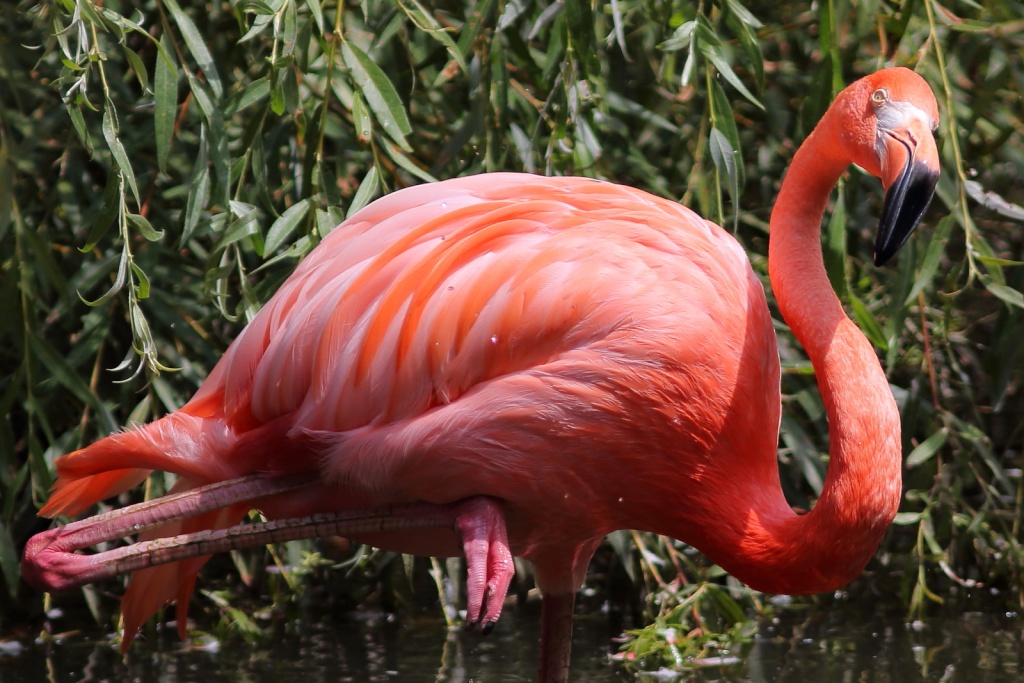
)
(839, 644)
(843, 645)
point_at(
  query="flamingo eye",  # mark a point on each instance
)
(880, 96)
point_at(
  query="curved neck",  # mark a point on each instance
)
(824, 549)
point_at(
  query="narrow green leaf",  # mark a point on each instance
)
(971, 26)
(706, 36)
(680, 38)
(198, 191)
(318, 15)
(257, 7)
(723, 67)
(143, 410)
(834, 247)
(999, 261)
(930, 264)
(686, 77)
(828, 40)
(423, 20)
(126, 362)
(143, 287)
(800, 445)
(744, 15)
(981, 444)
(724, 119)
(138, 66)
(326, 221)
(261, 23)
(867, 323)
(277, 99)
(78, 123)
(994, 201)
(1005, 293)
(246, 226)
(258, 162)
(725, 122)
(579, 19)
(110, 204)
(406, 163)
(513, 9)
(361, 118)
(928, 533)
(287, 30)
(71, 66)
(751, 45)
(619, 26)
(117, 149)
(729, 608)
(379, 92)
(218, 151)
(524, 147)
(368, 189)
(144, 227)
(927, 449)
(282, 228)
(907, 518)
(119, 281)
(242, 209)
(724, 157)
(196, 45)
(253, 93)
(165, 90)
(122, 22)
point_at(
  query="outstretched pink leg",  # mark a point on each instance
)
(51, 563)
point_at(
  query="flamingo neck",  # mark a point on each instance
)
(826, 548)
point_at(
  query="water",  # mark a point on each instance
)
(841, 644)
(846, 644)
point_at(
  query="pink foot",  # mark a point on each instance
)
(489, 565)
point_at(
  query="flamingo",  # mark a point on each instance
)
(509, 365)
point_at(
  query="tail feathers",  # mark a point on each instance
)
(180, 443)
(72, 497)
(152, 588)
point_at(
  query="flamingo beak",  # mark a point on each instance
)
(910, 171)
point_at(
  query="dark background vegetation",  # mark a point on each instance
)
(164, 166)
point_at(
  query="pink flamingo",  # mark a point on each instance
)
(510, 365)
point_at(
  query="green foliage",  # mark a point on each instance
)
(696, 617)
(682, 637)
(164, 165)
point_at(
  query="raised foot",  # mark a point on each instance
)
(489, 565)
(50, 564)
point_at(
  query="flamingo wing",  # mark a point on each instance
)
(431, 293)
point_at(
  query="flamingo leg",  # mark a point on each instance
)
(51, 563)
(555, 637)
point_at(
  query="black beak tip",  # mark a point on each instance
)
(905, 204)
(885, 250)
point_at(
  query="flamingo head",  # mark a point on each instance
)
(889, 121)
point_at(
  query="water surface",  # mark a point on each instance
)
(841, 644)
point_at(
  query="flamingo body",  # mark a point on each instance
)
(532, 363)
(435, 345)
